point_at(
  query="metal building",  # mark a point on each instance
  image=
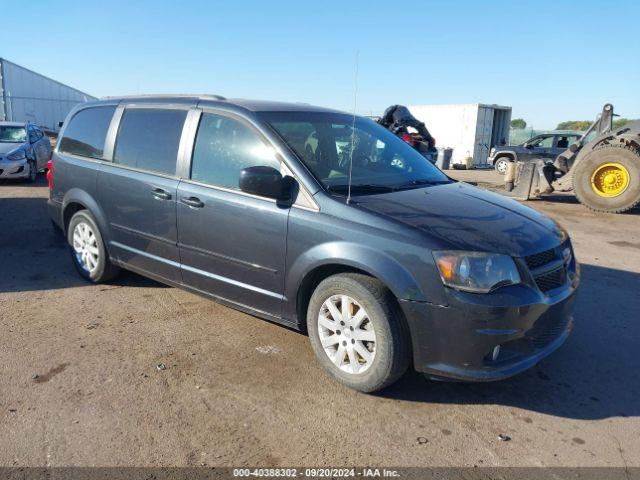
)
(27, 96)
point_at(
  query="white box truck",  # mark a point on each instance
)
(471, 129)
(27, 96)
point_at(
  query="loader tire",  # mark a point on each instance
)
(607, 179)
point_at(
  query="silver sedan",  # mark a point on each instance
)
(24, 150)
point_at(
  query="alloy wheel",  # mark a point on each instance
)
(85, 247)
(347, 334)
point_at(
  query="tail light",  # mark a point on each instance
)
(50, 174)
(433, 142)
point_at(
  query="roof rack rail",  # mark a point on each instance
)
(167, 95)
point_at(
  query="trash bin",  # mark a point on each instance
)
(444, 158)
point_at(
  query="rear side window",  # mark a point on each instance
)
(148, 139)
(543, 142)
(224, 147)
(87, 131)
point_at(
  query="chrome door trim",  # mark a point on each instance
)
(112, 132)
(187, 143)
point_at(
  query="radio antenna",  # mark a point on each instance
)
(353, 126)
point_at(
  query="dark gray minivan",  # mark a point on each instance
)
(384, 260)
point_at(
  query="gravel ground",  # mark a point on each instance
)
(79, 383)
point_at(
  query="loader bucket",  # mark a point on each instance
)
(529, 179)
(518, 184)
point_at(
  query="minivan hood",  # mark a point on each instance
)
(468, 218)
(8, 147)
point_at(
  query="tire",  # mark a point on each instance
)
(500, 165)
(383, 332)
(620, 154)
(98, 268)
(33, 172)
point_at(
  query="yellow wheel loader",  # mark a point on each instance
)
(602, 168)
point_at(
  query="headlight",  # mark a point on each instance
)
(492, 152)
(476, 272)
(561, 232)
(19, 155)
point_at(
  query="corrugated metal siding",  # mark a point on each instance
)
(482, 143)
(29, 96)
(501, 127)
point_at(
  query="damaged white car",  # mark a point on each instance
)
(24, 150)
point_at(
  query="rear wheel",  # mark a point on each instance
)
(501, 165)
(607, 179)
(357, 332)
(87, 249)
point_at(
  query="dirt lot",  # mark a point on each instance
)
(79, 383)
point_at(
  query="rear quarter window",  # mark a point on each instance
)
(86, 133)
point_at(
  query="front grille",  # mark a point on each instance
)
(550, 269)
(546, 330)
(551, 280)
(539, 259)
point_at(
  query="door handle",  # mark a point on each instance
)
(193, 202)
(161, 194)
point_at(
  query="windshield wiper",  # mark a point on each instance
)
(420, 182)
(360, 188)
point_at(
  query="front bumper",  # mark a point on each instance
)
(14, 169)
(457, 341)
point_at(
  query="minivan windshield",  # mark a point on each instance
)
(12, 134)
(325, 143)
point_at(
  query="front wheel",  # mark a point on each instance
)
(501, 165)
(357, 332)
(607, 179)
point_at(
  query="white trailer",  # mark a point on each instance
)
(27, 96)
(470, 129)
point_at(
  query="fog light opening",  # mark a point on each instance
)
(496, 352)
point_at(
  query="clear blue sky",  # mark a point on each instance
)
(549, 60)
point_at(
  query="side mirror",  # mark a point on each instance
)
(529, 146)
(60, 124)
(263, 181)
